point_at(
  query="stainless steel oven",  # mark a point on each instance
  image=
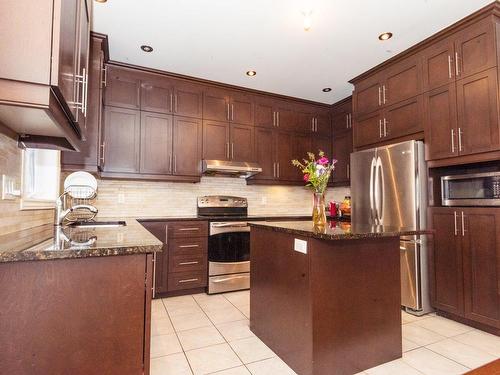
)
(475, 189)
(228, 256)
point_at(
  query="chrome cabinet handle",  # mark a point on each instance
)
(232, 112)
(452, 141)
(350, 120)
(380, 128)
(166, 234)
(175, 163)
(457, 68)
(277, 119)
(312, 124)
(188, 246)
(383, 92)
(85, 92)
(105, 71)
(278, 169)
(463, 224)
(154, 275)
(385, 127)
(459, 139)
(102, 153)
(169, 163)
(227, 150)
(455, 222)
(188, 229)
(232, 150)
(347, 121)
(175, 103)
(171, 102)
(227, 109)
(188, 263)
(274, 169)
(187, 281)
(379, 96)
(450, 60)
(274, 118)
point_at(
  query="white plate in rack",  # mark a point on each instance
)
(81, 185)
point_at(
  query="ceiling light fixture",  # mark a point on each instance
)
(307, 19)
(251, 73)
(101, 1)
(146, 48)
(385, 36)
(327, 89)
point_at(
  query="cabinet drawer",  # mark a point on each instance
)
(187, 262)
(188, 246)
(187, 280)
(188, 229)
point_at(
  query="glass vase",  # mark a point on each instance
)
(319, 214)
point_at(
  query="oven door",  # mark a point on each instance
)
(228, 248)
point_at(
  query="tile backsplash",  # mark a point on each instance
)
(122, 198)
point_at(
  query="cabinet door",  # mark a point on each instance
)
(367, 95)
(285, 116)
(438, 64)
(242, 142)
(265, 153)
(475, 49)
(156, 94)
(301, 146)
(402, 81)
(446, 269)
(440, 123)
(481, 265)
(68, 60)
(342, 117)
(264, 113)
(216, 105)
(156, 143)
(83, 65)
(216, 140)
(478, 123)
(242, 108)
(187, 146)
(159, 230)
(121, 140)
(305, 118)
(123, 88)
(367, 130)
(188, 99)
(404, 118)
(342, 148)
(323, 123)
(284, 155)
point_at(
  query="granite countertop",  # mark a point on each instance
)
(44, 242)
(336, 230)
(212, 218)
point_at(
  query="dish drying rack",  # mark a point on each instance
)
(78, 199)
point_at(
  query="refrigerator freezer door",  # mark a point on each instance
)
(410, 284)
(362, 183)
(395, 186)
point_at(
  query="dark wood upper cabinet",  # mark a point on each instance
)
(242, 142)
(403, 118)
(440, 122)
(323, 122)
(368, 130)
(265, 116)
(477, 103)
(241, 108)
(284, 155)
(216, 145)
(265, 153)
(216, 105)
(121, 140)
(156, 143)
(342, 148)
(157, 94)
(322, 144)
(187, 138)
(367, 95)
(188, 99)
(83, 65)
(305, 120)
(481, 265)
(285, 116)
(301, 146)
(123, 87)
(342, 116)
(446, 267)
(402, 81)
(438, 64)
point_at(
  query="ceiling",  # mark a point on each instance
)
(220, 40)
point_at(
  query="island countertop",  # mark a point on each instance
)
(335, 230)
(44, 243)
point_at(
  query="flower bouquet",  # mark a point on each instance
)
(316, 175)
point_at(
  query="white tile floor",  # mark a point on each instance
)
(203, 334)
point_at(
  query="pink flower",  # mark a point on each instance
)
(323, 161)
(306, 177)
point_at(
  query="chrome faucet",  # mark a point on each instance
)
(61, 212)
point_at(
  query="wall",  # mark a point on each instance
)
(142, 199)
(11, 218)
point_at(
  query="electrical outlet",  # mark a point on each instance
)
(121, 198)
(9, 190)
(263, 199)
(300, 246)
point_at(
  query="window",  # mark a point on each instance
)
(40, 178)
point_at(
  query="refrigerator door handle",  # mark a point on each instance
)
(373, 167)
(380, 188)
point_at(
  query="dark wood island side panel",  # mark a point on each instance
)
(334, 310)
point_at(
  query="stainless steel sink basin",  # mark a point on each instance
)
(98, 224)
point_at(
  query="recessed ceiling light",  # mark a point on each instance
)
(385, 36)
(251, 73)
(327, 89)
(101, 1)
(147, 48)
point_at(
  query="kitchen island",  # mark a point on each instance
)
(76, 300)
(327, 301)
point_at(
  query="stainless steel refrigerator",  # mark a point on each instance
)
(388, 187)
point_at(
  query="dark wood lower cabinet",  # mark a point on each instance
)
(465, 264)
(182, 267)
(76, 316)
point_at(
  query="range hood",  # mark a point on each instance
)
(230, 168)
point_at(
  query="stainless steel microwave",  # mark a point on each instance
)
(477, 189)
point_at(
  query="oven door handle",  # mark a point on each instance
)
(229, 225)
(229, 278)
